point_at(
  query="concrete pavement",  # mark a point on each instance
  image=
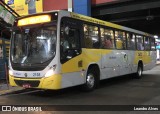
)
(6, 88)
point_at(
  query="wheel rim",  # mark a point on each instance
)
(90, 80)
(139, 71)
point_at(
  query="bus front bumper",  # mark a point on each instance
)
(52, 82)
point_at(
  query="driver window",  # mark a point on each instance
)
(70, 42)
(64, 38)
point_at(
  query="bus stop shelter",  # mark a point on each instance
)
(7, 18)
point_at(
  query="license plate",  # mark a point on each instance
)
(26, 86)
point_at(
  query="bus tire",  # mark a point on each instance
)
(138, 74)
(92, 80)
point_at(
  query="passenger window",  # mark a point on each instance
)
(91, 36)
(120, 40)
(107, 38)
(146, 43)
(153, 47)
(131, 45)
(140, 44)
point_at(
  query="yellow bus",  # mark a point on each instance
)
(60, 49)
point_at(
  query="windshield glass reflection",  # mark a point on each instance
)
(33, 45)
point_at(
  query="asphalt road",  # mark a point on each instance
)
(123, 90)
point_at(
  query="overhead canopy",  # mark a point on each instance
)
(138, 14)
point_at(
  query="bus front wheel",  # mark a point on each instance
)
(91, 80)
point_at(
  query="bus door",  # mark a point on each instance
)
(124, 65)
(109, 59)
(122, 53)
(131, 47)
(70, 52)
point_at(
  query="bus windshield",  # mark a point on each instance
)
(33, 45)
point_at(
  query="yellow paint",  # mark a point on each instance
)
(34, 20)
(142, 55)
(52, 82)
(72, 65)
(91, 56)
(88, 56)
(11, 81)
(105, 52)
(147, 57)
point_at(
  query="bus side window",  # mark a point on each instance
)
(107, 38)
(91, 36)
(131, 41)
(120, 40)
(147, 43)
(140, 44)
(153, 46)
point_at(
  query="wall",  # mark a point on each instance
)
(55, 5)
(63, 4)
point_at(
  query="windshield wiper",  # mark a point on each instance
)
(23, 60)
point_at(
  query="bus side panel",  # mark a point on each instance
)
(139, 56)
(74, 71)
(131, 58)
(149, 60)
(147, 57)
(109, 64)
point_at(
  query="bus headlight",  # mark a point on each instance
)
(10, 72)
(51, 72)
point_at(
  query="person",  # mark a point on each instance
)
(107, 42)
(31, 6)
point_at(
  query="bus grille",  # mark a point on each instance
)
(31, 83)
